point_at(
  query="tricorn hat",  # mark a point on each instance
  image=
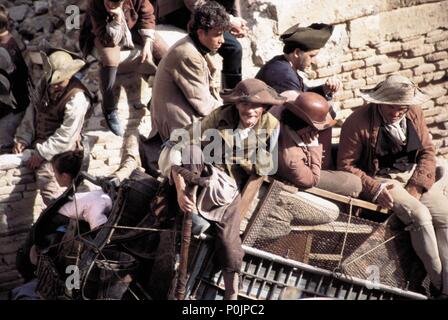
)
(254, 91)
(308, 38)
(313, 109)
(395, 90)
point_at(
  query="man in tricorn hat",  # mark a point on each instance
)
(52, 124)
(243, 124)
(300, 162)
(301, 46)
(387, 144)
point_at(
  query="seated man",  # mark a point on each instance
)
(244, 124)
(300, 161)
(183, 90)
(387, 144)
(7, 101)
(178, 13)
(53, 124)
(19, 79)
(301, 46)
(123, 35)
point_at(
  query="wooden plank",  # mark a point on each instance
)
(331, 257)
(250, 190)
(344, 199)
(336, 227)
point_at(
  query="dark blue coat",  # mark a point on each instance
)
(280, 75)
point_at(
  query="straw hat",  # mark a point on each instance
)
(395, 90)
(60, 66)
(254, 91)
(313, 109)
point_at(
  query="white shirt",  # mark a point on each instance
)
(90, 206)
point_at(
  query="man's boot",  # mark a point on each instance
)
(424, 242)
(442, 242)
(108, 76)
(230, 80)
(231, 284)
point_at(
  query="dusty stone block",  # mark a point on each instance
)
(437, 38)
(375, 60)
(420, 51)
(442, 65)
(424, 68)
(362, 54)
(406, 73)
(409, 63)
(354, 84)
(418, 79)
(388, 67)
(428, 104)
(413, 44)
(370, 72)
(398, 24)
(352, 103)
(435, 91)
(329, 71)
(376, 79)
(441, 117)
(344, 95)
(441, 55)
(438, 75)
(443, 45)
(442, 100)
(351, 65)
(389, 47)
(359, 73)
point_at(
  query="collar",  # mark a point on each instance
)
(203, 50)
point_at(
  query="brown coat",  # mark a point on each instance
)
(358, 141)
(182, 88)
(300, 165)
(139, 15)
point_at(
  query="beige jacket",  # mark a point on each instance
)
(182, 89)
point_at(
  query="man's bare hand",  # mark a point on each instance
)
(35, 161)
(332, 85)
(385, 199)
(18, 147)
(238, 27)
(146, 51)
(185, 203)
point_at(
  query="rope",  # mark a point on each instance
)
(341, 255)
(373, 249)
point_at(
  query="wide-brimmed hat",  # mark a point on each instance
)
(313, 109)
(254, 91)
(6, 61)
(395, 90)
(308, 38)
(5, 92)
(60, 65)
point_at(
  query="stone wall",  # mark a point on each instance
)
(370, 41)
